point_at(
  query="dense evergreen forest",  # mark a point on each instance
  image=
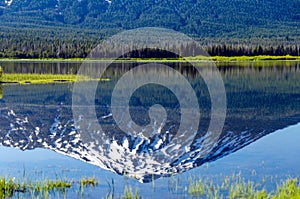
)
(71, 28)
(79, 47)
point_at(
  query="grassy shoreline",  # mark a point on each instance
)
(17, 78)
(196, 58)
(26, 78)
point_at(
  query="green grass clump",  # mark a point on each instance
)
(7, 187)
(89, 182)
(197, 188)
(289, 189)
(128, 193)
(84, 182)
(246, 190)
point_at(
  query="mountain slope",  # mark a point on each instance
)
(232, 18)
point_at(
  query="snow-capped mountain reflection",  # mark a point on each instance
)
(40, 116)
(136, 156)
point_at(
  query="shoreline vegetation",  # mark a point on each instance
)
(31, 78)
(230, 187)
(10, 187)
(184, 59)
(18, 78)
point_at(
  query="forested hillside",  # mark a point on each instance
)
(60, 28)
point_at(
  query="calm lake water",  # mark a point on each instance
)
(42, 137)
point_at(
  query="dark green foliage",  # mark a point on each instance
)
(71, 28)
(237, 18)
(220, 50)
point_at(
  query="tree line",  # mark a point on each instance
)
(78, 43)
(50, 48)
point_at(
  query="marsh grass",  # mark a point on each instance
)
(89, 182)
(288, 189)
(46, 187)
(40, 189)
(196, 188)
(244, 58)
(7, 187)
(44, 78)
(216, 58)
(236, 187)
(232, 187)
(184, 59)
(31, 78)
(128, 193)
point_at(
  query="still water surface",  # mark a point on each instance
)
(259, 139)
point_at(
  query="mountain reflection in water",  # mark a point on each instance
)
(260, 100)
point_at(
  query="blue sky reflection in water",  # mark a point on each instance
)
(251, 142)
(273, 156)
